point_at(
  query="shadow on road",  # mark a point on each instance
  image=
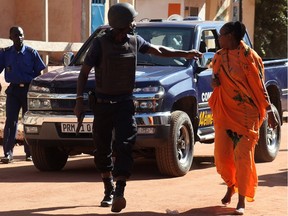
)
(274, 179)
(82, 169)
(206, 211)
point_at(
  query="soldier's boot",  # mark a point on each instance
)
(119, 202)
(108, 192)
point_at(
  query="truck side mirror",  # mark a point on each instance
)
(67, 58)
(206, 59)
(205, 62)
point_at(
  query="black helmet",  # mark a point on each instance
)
(121, 15)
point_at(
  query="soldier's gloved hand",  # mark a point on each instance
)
(194, 54)
(79, 108)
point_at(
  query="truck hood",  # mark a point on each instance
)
(156, 73)
(66, 77)
(61, 76)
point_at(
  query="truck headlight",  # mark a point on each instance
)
(148, 99)
(39, 104)
(149, 89)
(146, 105)
(40, 89)
(31, 129)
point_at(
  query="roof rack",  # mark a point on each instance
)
(175, 17)
(192, 18)
(157, 20)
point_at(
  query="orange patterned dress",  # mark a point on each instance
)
(239, 106)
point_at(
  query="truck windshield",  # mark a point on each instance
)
(174, 38)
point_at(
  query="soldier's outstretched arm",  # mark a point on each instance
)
(169, 52)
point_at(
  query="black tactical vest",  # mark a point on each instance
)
(115, 74)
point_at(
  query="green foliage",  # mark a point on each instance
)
(270, 39)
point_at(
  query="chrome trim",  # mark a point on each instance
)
(206, 137)
(207, 133)
(38, 95)
(147, 96)
(284, 91)
(276, 61)
(203, 105)
(151, 96)
(153, 119)
(36, 118)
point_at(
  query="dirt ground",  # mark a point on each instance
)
(78, 190)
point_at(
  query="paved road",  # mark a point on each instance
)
(77, 190)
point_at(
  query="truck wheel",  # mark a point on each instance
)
(48, 158)
(269, 140)
(175, 158)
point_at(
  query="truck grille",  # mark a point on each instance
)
(66, 105)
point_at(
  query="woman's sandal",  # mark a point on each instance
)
(240, 205)
(239, 211)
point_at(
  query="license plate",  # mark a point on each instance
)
(71, 128)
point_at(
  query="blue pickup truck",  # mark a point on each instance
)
(171, 97)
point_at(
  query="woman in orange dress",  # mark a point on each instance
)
(238, 102)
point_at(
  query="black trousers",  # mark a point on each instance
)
(120, 118)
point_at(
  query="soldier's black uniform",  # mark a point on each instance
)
(115, 68)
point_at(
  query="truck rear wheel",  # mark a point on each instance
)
(47, 158)
(175, 158)
(269, 140)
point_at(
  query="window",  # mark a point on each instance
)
(172, 37)
(208, 41)
(193, 11)
(98, 1)
(209, 45)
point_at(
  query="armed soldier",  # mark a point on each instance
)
(113, 55)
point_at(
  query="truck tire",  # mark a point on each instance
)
(269, 141)
(175, 158)
(47, 158)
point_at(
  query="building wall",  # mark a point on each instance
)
(249, 16)
(69, 20)
(200, 4)
(223, 10)
(7, 17)
(159, 11)
(31, 19)
(64, 18)
(208, 10)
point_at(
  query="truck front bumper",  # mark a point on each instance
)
(153, 129)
